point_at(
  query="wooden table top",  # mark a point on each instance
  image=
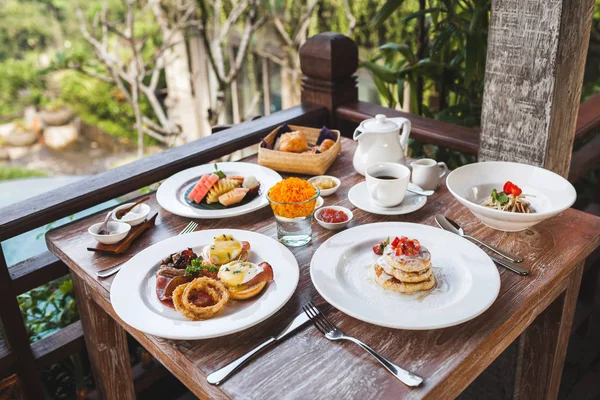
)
(309, 366)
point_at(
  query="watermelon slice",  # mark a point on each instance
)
(202, 187)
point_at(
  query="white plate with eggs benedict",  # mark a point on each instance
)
(405, 276)
(205, 284)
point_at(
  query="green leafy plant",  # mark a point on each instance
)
(444, 67)
(48, 308)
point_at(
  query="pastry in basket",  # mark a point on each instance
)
(325, 145)
(199, 287)
(404, 266)
(293, 142)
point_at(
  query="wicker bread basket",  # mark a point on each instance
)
(299, 163)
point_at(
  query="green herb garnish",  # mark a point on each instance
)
(219, 173)
(499, 197)
(197, 267)
(384, 244)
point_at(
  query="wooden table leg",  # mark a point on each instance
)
(107, 348)
(543, 345)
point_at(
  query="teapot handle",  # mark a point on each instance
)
(405, 123)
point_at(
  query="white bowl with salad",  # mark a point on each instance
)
(510, 196)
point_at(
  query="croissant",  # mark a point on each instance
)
(221, 187)
(325, 145)
(293, 142)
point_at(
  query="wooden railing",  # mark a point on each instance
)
(587, 139)
(330, 98)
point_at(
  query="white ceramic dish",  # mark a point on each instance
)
(134, 298)
(118, 232)
(327, 192)
(334, 226)
(134, 217)
(359, 197)
(473, 183)
(320, 202)
(171, 193)
(342, 271)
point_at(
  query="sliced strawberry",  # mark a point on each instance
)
(378, 250)
(395, 242)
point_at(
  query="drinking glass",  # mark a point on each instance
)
(294, 220)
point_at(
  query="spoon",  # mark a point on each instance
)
(448, 225)
(121, 213)
(103, 230)
(421, 192)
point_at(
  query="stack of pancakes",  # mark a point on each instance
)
(404, 274)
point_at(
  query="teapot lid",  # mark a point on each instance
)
(379, 124)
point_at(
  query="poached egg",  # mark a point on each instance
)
(222, 250)
(237, 273)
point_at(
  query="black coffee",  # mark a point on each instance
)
(386, 177)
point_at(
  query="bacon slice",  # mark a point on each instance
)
(245, 245)
(161, 287)
(265, 275)
(166, 285)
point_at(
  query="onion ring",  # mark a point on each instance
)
(214, 289)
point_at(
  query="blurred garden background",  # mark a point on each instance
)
(86, 86)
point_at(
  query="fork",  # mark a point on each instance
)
(191, 227)
(332, 332)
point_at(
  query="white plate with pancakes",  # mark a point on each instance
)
(464, 281)
(133, 292)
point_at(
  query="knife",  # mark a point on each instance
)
(511, 266)
(220, 375)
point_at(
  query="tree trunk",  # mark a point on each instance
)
(290, 87)
(201, 83)
(180, 99)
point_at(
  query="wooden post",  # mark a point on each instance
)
(328, 61)
(106, 343)
(543, 346)
(15, 334)
(534, 71)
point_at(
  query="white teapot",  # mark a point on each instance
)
(379, 140)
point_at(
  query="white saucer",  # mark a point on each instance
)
(359, 196)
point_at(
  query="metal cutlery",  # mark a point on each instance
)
(514, 267)
(220, 375)
(448, 225)
(121, 213)
(421, 192)
(332, 332)
(191, 227)
(103, 230)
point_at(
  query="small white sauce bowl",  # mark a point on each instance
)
(118, 232)
(334, 226)
(327, 192)
(133, 217)
(320, 202)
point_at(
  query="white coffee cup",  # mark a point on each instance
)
(426, 173)
(387, 183)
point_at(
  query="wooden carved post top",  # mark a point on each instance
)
(329, 61)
